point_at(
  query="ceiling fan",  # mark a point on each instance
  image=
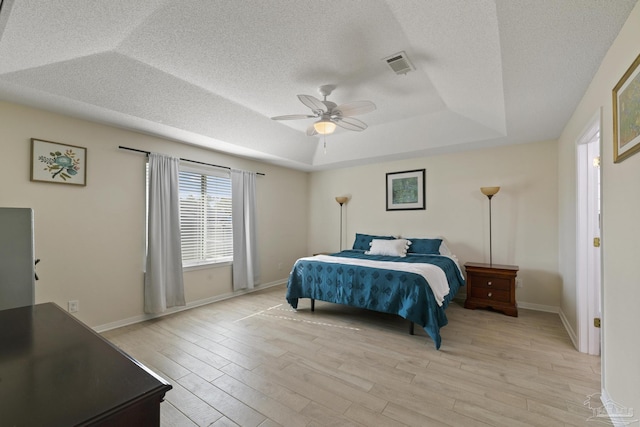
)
(329, 114)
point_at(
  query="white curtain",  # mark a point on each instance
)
(163, 282)
(245, 261)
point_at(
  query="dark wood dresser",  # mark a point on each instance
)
(56, 371)
(492, 286)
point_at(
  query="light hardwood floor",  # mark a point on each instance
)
(253, 361)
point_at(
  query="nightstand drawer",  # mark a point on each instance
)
(480, 281)
(491, 294)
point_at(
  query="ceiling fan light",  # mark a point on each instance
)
(324, 127)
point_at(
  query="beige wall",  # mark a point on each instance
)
(524, 211)
(620, 229)
(91, 239)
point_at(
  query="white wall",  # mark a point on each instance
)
(620, 230)
(91, 239)
(524, 211)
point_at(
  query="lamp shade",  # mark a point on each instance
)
(342, 199)
(489, 191)
(324, 127)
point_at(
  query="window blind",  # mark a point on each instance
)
(205, 218)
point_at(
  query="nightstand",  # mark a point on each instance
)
(492, 286)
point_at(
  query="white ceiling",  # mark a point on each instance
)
(212, 73)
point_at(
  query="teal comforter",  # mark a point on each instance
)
(397, 292)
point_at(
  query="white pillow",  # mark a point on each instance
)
(444, 249)
(396, 247)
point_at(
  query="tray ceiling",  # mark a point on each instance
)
(212, 73)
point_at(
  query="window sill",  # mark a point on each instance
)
(207, 266)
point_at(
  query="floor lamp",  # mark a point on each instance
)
(342, 200)
(490, 192)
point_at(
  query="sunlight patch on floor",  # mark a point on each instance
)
(263, 313)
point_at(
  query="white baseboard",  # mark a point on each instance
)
(572, 334)
(619, 415)
(525, 305)
(538, 307)
(190, 305)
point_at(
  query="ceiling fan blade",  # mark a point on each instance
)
(350, 123)
(312, 102)
(355, 108)
(311, 131)
(293, 117)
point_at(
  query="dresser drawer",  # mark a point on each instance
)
(491, 294)
(481, 281)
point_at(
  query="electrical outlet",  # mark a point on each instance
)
(518, 282)
(73, 306)
(279, 266)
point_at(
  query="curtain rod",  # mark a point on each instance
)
(184, 160)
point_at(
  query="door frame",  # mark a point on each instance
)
(588, 258)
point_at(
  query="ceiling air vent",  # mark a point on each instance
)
(399, 63)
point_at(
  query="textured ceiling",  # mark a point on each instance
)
(212, 73)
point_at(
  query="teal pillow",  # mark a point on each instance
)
(363, 241)
(425, 246)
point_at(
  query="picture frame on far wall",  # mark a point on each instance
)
(406, 190)
(626, 114)
(58, 163)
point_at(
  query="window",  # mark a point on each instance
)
(205, 218)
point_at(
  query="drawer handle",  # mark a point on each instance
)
(489, 294)
(489, 283)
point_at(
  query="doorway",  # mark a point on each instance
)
(588, 243)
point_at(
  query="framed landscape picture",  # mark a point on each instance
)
(626, 114)
(58, 163)
(406, 190)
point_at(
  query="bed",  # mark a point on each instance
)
(413, 278)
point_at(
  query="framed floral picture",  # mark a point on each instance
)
(406, 190)
(626, 114)
(58, 163)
